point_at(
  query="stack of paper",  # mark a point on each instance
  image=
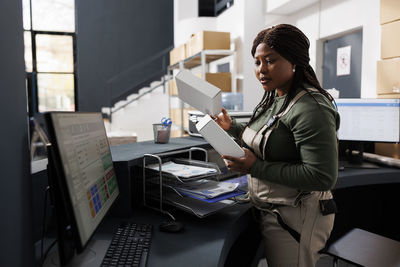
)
(183, 170)
(206, 188)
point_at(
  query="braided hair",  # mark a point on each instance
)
(293, 45)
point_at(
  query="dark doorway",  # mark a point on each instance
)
(337, 53)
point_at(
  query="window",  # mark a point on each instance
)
(50, 49)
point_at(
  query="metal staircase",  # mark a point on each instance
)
(137, 113)
(133, 110)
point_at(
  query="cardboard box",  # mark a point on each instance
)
(388, 150)
(205, 40)
(389, 96)
(222, 80)
(177, 54)
(173, 90)
(390, 42)
(175, 115)
(390, 11)
(388, 76)
(175, 133)
(198, 93)
(119, 140)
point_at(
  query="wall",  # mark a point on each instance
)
(351, 17)
(243, 20)
(16, 223)
(137, 118)
(328, 19)
(112, 40)
(186, 21)
(323, 20)
(254, 22)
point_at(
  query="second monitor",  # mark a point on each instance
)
(376, 120)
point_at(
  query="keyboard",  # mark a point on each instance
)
(129, 246)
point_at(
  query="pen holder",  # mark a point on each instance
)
(161, 133)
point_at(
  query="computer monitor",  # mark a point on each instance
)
(81, 176)
(364, 122)
(376, 120)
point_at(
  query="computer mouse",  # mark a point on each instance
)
(171, 227)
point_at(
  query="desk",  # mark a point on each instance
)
(203, 243)
(130, 154)
(207, 242)
(352, 177)
(367, 199)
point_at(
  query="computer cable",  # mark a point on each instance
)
(44, 226)
(44, 222)
(47, 251)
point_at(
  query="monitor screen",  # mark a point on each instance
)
(86, 174)
(375, 120)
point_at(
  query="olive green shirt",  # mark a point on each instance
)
(301, 151)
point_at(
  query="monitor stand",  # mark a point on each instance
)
(344, 164)
(352, 157)
(92, 256)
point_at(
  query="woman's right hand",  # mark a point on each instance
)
(223, 120)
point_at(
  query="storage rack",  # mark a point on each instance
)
(202, 58)
(161, 176)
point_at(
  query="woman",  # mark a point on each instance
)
(291, 149)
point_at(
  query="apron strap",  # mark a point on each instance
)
(294, 100)
(291, 231)
(277, 117)
(258, 139)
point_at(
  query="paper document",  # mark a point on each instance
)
(182, 170)
(207, 188)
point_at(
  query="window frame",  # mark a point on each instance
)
(32, 77)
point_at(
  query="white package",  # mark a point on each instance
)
(218, 138)
(198, 93)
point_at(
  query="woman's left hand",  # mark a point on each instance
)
(242, 164)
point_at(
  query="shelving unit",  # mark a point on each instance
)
(202, 60)
(158, 185)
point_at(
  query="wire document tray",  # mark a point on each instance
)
(184, 183)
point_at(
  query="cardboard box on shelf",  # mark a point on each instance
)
(390, 41)
(205, 40)
(389, 96)
(388, 76)
(222, 80)
(175, 133)
(173, 90)
(177, 54)
(390, 11)
(175, 115)
(388, 150)
(119, 140)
